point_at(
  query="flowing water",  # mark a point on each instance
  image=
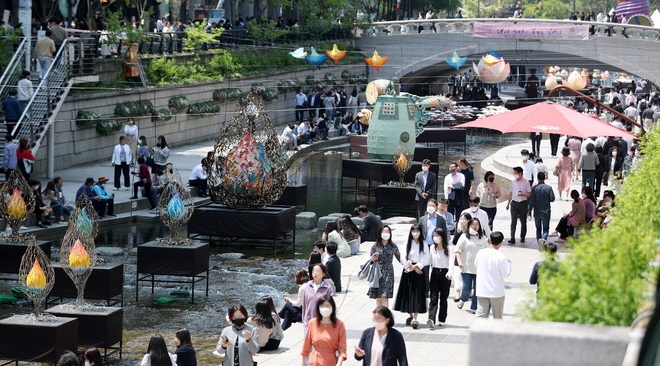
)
(238, 274)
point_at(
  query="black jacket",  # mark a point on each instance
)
(394, 349)
(333, 266)
(185, 355)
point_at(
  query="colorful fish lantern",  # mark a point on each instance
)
(79, 258)
(16, 205)
(376, 61)
(176, 209)
(299, 53)
(455, 61)
(335, 55)
(36, 279)
(491, 70)
(316, 59)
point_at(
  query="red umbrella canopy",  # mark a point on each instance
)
(548, 118)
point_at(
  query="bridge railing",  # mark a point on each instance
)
(465, 25)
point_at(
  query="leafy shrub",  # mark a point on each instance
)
(107, 126)
(329, 77)
(258, 89)
(312, 80)
(178, 103)
(603, 279)
(226, 94)
(269, 95)
(224, 65)
(86, 119)
(162, 114)
(165, 71)
(196, 37)
(288, 85)
(199, 109)
(134, 108)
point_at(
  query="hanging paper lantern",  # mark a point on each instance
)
(376, 61)
(36, 279)
(79, 258)
(299, 53)
(455, 61)
(248, 169)
(176, 209)
(492, 70)
(316, 59)
(335, 55)
(16, 205)
(575, 81)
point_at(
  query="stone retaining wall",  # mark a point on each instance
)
(76, 146)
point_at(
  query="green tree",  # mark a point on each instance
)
(547, 9)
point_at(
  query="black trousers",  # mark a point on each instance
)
(554, 143)
(103, 204)
(519, 212)
(439, 293)
(119, 170)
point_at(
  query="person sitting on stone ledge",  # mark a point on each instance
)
(106, 200)
(198, 178)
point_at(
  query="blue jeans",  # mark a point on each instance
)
(44, 64)
(588, 178)
(469, 283)
(542, 226)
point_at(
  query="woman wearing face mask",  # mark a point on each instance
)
(466, 252)
(382, 344)
(569, 223)
(238, 341)
(326, 336)
(314, 290)
(457, 278)
(488, 192)
(411, 297)
(382, 254)
(185, 353)
(442, 266)
(157, 354)
(92, 357)
(614, 167)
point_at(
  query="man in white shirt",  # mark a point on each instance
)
(492, 267)
(529, 170)
(121, 158)
(288, 138)
(25, 89)
(300, 104)
(518, 193)
(198, 178)
(478, 213)
(453, 187)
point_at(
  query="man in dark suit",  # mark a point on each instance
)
(370, 224)
(425, 184)
(333, 265)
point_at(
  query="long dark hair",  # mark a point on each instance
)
(333, 316)
(379, 238)
(163, 143)
(263, 316)
(330, 226)
(50, 187)
(93, 355)
(480, 232)
(157, 351)
(590, 194)
(410, 239)
(443, 240)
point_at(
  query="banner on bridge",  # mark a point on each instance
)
(530, 31)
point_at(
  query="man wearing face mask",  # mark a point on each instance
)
(477, 213)
(517, 203)
(453, 186)
(428, 223)
(539, 201)
(529, 170)
(425, 184)
(449, 218)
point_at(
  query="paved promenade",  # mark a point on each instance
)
(446, 345)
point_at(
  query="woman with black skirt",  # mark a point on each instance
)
(411, 297)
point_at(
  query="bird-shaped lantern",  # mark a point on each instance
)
(376, 61)
(335, 54)
(299, 53)
(316, 59)
(455, 61)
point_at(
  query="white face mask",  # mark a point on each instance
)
(436, 239)
(473, 232)
(474, 208)
(430, 210)
(385, 236)
(584, 196)
(415, 235)
(380, 325)
(425, 168)
(524, 158)
(613, 153)
(325, 311)
(87, 363)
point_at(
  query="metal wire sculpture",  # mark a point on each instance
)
(175, 207)
(36, 276)
(402, 161)
(16, 205)
(78, 251)
(248, 168)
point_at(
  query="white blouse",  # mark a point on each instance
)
(421, 259)
(440, 260)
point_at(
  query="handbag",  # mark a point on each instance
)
(555, 172)
(371, 272)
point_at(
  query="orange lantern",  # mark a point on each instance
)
(376, 61)
(335, 55)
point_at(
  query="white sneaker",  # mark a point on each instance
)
(114, 188)
(541, 244)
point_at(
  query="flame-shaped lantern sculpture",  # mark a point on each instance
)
(79, 258)
(175, 206)
(376, 61)
(335, 54)
(402, 161)
(492, 70)
(316, 59)
(16, 204)
(36, 276)
(249, 164)
(84, 224)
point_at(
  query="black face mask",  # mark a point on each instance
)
(491, 179)
(238, 322)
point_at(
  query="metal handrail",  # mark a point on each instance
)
(18, 54)
(12, 73)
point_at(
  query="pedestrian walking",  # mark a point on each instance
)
(539, 202)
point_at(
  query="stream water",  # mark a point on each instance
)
(237, 274)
